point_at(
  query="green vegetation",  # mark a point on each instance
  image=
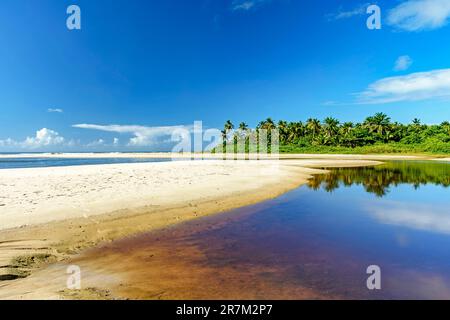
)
(379, 179)
(377, 134)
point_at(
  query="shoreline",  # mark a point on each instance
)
(53, 242)
(187, 155)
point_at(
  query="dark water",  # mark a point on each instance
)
(395, 216)
(40, 162)
(321, 237)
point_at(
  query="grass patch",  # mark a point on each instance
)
(388, 148)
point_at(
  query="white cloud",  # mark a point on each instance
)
(345, 14)
(403, 63)
(246, 5)
(142, 136)
(42, 139)
(412, 87)
(418, 15)
(57, 110)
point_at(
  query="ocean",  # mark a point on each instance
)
(41, 162)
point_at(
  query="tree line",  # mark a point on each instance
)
(374, 130)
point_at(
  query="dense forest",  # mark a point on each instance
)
(376, 134)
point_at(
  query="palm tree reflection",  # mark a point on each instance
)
(379, 179)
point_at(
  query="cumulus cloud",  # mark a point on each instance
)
(246, 5)
(142, 135)
(403, 63)
(412, 87)
(42, 139)
(345, 14)
(57, 110)
(419, 15)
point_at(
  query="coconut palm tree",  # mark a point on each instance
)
(346, 134)
(227, 127)
(313, 126)
(267, 124)
(242, 131)
(379, 124)
(243, 126)
(283, 128)
(296, 131)
(445, 126)
(347, 127)
(330, 128)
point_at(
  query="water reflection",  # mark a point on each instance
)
(380, 179)
(307, 244)
(431, 218)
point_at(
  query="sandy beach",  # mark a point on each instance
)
(40, 195)
(187, 155)
(50, 215)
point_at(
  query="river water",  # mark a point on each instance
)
(314, 242)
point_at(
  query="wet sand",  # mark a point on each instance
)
(165, 264)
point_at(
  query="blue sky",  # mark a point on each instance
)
(137, 68)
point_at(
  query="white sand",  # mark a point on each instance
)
(40, 195)
(158, 155)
